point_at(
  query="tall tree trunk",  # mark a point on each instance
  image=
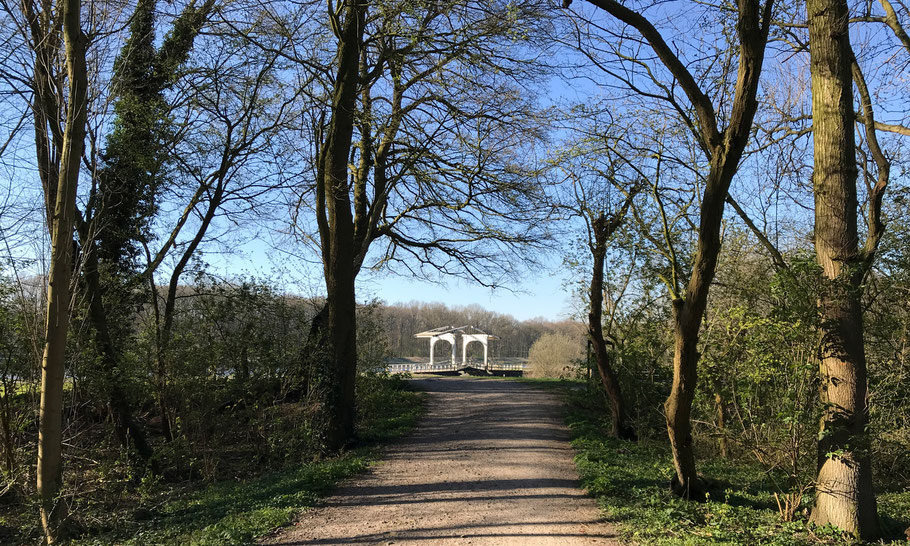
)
(678, 406)
(688, 313)
(336, 229)
(602, 230)
(135, 156)
(844, 496)
(50, 429)
(126, 427)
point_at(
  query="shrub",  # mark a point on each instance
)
(555, 355)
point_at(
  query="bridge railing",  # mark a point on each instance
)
(449, 366)
(507, 366)
(421, 367)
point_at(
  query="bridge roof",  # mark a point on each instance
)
(463, 330)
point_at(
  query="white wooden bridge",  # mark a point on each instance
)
(452, 335)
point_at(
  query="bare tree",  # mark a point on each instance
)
(844, 491)
(61, 221)
(434, 183)
(231, 111)
(122, 199)
(598, 169)
(723, 148)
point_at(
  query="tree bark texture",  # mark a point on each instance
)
(50, 430)
(844, 495)
(336, 226)
(6, 418)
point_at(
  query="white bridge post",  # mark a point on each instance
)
(468, 338)
(444, 337)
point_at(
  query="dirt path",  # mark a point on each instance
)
(489, 464)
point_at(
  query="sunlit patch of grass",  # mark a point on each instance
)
(387, 408)
(551, 383)
(237, 513)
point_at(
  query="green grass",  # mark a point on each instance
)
(631, 484)
(239, 512)
(551, 383)
(236, 513)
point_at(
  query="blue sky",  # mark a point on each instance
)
(540, 294)
(537, 293)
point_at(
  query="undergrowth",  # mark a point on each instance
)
(229, 513)
(631, 484)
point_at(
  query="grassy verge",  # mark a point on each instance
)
(238, 512)
(630, 482)
(550, 383)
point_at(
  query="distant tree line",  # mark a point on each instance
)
(516, 337)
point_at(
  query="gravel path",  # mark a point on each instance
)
(490, 463)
